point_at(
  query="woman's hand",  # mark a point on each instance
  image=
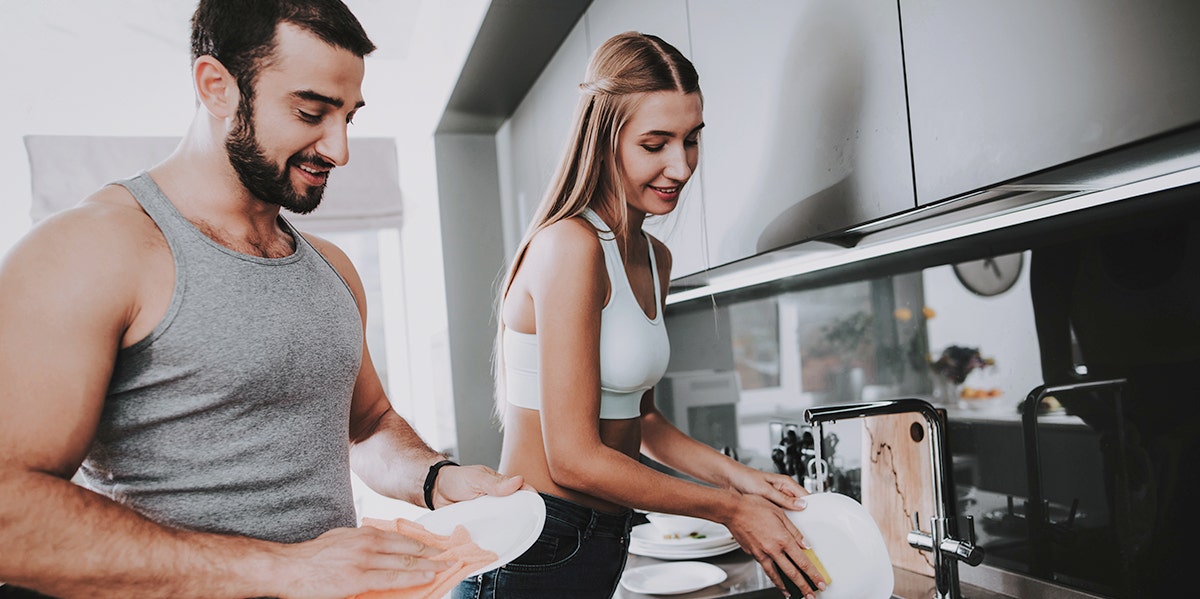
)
(780, 489)
(765, 532)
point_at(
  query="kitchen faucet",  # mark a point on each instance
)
(949, 550)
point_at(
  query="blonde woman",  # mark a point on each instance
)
(582, 344)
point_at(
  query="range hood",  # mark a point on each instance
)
(1124, 174)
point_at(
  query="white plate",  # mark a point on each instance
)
(506, 526)
(848, 542)
(637, 548)
(671, 579)
(714, 534)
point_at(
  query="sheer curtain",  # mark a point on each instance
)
(64, 169)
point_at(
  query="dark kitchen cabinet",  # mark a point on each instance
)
(998, 90)
(806, 129)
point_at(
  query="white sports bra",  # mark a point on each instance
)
(634, 349)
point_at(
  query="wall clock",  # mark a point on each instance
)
(990, 276)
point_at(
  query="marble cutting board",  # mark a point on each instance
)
(896, 482)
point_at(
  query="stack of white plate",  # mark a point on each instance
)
(707, 540)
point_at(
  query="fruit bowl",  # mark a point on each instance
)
(974, 398)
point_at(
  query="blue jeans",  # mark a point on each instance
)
(580, 554)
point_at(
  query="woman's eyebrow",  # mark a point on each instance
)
(661, 133)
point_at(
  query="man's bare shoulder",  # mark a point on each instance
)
(110, 216)
(331, 252)
(107, 231)
(89, 266)
(337, 258)
(114, 205)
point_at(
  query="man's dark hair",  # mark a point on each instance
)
(241, 33)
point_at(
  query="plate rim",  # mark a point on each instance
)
(537, 508)
(713, 570)
(875, 539)
(686, 554)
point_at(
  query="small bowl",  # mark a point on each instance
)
(675, 526)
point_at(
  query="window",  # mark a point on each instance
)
(366, 251)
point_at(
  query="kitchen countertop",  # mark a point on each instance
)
(746, 580)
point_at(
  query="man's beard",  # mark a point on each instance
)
(260, 176)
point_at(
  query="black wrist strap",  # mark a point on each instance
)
(431, 479)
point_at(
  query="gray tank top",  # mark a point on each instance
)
(232, 415)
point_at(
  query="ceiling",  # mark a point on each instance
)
(142, 26)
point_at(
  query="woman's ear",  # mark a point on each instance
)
(216, 88)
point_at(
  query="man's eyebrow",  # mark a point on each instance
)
(308, 94)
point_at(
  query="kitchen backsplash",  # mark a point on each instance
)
(1112, 295)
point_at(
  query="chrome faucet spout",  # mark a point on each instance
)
(946, 550)
(872, 408)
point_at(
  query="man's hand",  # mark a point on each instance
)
(347, 561)
(460, 483)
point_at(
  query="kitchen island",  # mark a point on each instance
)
(746, 580)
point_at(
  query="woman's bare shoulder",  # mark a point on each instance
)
(569, 239)
(565, 258)
(661, 251)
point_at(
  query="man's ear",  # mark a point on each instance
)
(216, 88)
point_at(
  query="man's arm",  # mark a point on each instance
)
(69, 294)
(386, 452)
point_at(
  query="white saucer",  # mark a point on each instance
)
(671, 579)
(506, 526)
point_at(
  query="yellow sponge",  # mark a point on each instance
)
(812, 557)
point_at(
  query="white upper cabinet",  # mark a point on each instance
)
(806, 131)
(999, 90)
(805, 125)
(531, 143)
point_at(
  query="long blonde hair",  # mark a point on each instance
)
(620, 70)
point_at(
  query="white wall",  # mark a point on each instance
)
(1001, 327)
(442, 35)
(86, 68)
(470, 231)
(121, 67)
